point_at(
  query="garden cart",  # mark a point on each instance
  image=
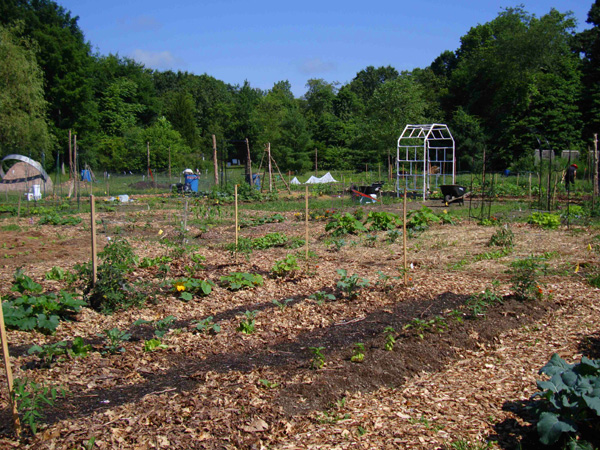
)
(454, 193)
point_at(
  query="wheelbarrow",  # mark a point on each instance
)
(454, 193)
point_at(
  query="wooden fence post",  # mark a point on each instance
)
(93, 231)
(404, 240)
(306, 224)
(9, 377)
(214, 138)
(236, 220)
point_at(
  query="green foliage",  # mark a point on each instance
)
(270, 240)
(382, 221)
(248, 323)
(151, 262)
(435, 325)
(479, 303)
(570, 399)
(241, 280)
(350, 285)
(419, 220)
(525, 275)
(154, 344)
(285, 267)
(207, 326)
(275, 218)
(55, 219)
(193, 286)
(51, 353)
(114, 337)
(341, 225)
(463, 444)
(268, 384)
(318, 359)
(502, 237)
(390, 338)
(544, 220)
(358, 352)
(59, 274)
(112, 291)
(321, 296)
(161, 327)
(30, 398)
(41, 312)
(282, 305)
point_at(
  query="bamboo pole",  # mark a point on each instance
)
(316, 163)
(596, 187)
(270, 168)
(404, 240)
(235, 194)
(306, 223)
(70, 157)
(93, 232)
(9, 376)
(529, 186)
(215, 161)
(249, 163)
(148, 158)
(282, 179)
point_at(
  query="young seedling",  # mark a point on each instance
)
(30, 398)
(268, 384)
(207, 326)
(161, 327)
(154, 344)
(351, 284)
(358, 353)
(318, 359)
(247, 325)
(283, 305)
(390, 340)
(114, 338)
(321, 296)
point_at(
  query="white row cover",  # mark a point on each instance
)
(327, 178)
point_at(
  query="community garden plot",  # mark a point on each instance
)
(263, 348)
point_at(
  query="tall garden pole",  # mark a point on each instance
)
(148, 154)
(249, 163)
(306, 223)
(404, 240)
(549, 196)
(270, 167)
(70, 157)
(9, 377)
(93, 231)
(235, 195)
(215, 160)
(316, 163)
(169, 163)
(596, 181)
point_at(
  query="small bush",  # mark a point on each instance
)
(341, 225)
(241, 280)
(285, 267)
(544, 220)
(502, 237)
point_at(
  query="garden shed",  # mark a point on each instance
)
(425, 159)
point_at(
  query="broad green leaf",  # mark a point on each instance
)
(550, 427)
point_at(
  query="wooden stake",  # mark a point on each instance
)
(70, 157)
(270, 168)
(148, 154)
(215, 160)
(283, 179)
(235, 195)
(306, 224)
(9, 376)
(404, 241)
(530, 186)
(316, 163)
(249, 162)
(93, 231)
(75, 174)
(169, 163)
(596, 188)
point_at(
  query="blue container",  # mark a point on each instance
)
(86, 175)
(192, 182)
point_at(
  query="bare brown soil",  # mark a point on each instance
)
(469, 380)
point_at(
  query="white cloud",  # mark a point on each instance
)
(156, 60)
(316, 65)
(140, 23)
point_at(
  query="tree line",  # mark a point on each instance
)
(516, 83)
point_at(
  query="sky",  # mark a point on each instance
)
(265, 41)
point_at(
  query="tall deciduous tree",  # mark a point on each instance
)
(23, 127)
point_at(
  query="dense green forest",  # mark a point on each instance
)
(515, 83)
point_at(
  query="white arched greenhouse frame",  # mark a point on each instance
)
(425, 159)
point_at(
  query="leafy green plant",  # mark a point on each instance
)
(419, 220)
(382, 221)
(393, 235)
(161, 327)
(358, 352)
(479, 303)
(59, 274)
(42, 312)
(390, 338)
(342, 224)
(207, 326)
(350, 285)
(268, 384)
(463, 444)
(188, 287)
(570, 400)
(285, 267)
(114, 337)
(420, 326)
(318, 359)
(241, 280)
(151, 262)
(544, 220)
(248, 323)
(30, 398)
(525, 274)
(153, 345)
(321, 296)
(502, 237)
(283, 305)
(50, 353)
(79, 349)
(55, 219)
(270, 240)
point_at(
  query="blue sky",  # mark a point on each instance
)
(266, 41)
